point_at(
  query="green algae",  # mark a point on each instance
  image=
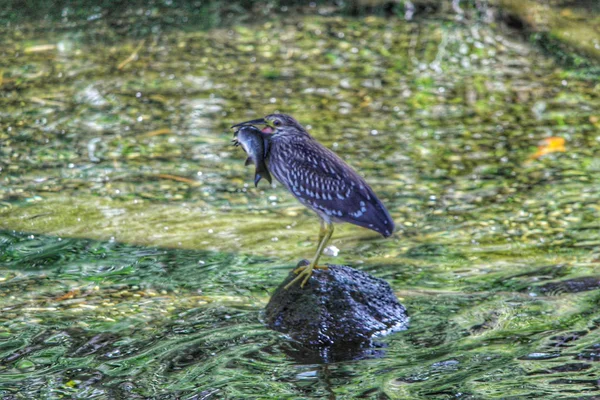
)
(117, 312)
(135, 255)
(567, 30)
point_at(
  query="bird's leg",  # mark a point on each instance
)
(322, 230)
(304, 272)
(322, 233)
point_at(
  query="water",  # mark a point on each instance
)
(136, 255)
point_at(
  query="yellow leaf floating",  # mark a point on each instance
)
(549, 145)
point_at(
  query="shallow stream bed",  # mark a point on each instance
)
(136, 255)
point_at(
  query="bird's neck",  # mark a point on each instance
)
(295, 135)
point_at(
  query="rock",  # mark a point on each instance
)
(564, 29)
(340, 308)
(575, 285)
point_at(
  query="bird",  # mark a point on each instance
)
(321, 181)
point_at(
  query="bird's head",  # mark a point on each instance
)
(277, 124)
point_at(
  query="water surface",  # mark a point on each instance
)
(136, 255)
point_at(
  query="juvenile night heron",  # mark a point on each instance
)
(321, 181)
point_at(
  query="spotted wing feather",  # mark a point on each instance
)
(324, 182)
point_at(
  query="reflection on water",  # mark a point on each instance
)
(125, 141)
(106, 319)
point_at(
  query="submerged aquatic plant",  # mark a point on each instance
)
(127, 222)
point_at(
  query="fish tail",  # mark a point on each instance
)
(262, 172)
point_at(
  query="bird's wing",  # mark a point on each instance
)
(324, 182)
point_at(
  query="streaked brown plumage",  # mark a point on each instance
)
(321, 181)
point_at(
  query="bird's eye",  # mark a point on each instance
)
(277, 122)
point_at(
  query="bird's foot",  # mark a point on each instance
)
(304, 273)
(303, 267)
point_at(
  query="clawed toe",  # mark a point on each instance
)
(303, 275)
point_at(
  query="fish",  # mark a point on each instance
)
(256, 146)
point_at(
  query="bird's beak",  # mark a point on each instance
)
(260, 121)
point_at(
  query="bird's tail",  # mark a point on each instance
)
(376, 217)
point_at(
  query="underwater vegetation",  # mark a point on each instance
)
(136, 255)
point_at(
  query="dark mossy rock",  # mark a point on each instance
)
(339, 308)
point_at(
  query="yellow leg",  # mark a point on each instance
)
(322, 230)
(304, 272)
